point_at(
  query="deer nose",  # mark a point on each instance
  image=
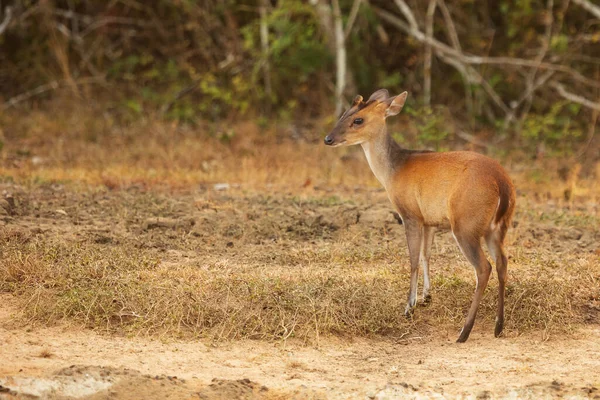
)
(328, 140)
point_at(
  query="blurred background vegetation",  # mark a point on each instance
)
(515, 75)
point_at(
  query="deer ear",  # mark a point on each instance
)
(380, 95)
(395, 104)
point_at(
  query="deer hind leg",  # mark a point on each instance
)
(414, 235)
(426, 243)
(471, 248)
(494, 241)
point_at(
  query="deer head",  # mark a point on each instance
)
(364, 120)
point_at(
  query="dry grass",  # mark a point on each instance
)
(305, 246)
(82, 147)
(88, 146)
(312, 272)
(46, 353)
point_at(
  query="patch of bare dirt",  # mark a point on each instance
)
(219, 222)
(84, 364)
(93, 382)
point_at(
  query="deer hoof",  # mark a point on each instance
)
(499, 328)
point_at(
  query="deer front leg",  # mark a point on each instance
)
(414, 236)
(426, 243)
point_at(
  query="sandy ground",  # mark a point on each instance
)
(63, 362)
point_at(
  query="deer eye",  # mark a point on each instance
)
(358, 121)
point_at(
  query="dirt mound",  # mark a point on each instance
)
(93, 382)
(542, 390)
(244, 389)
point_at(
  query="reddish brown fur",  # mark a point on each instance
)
(436, 188)
(465, 191)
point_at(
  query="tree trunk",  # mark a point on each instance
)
(264, 43)
(427, 57)
(340, 57)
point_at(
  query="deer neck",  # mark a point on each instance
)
(382, 153)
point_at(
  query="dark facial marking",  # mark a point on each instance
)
(356, 108)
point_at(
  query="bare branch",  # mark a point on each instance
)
(539, 58)
(95, 22)
(492, 93)
(546, 41)
(448, 54)
(340, 56)
(585, 4)
(584, 37)
(45, 88)
(470, 138)
(581, 57)
(352, 17)
(574, 97)
(450, 25)
(264, 44)
(472, 76)
(74, 21)
(6, 21)
(480, 60)
(408, 14)
(30, 93)
(324, 14)
(453, 36)
(190, 88)
(183, 92)
(541, 81)
(99, 23)
(427, 60)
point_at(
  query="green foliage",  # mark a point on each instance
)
(431, 125)
(220, 98)
(226, 136)
(555, 128)
(559, 43)
(393, 80)
(295, 46)
(296, 49)
(134, 106)
(202, 60)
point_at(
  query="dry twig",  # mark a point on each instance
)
(453, 36)
(6, 21)
(464, 62)
(427, 61)
(45, 88)
(481, 60)
(539, 58)
(560, 89)
(352, 17)
(585, 4)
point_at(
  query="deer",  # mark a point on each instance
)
(464, 191)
